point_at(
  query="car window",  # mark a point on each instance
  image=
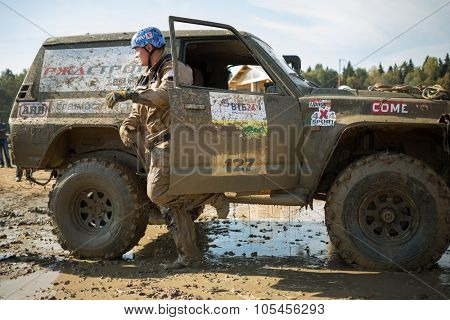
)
(225, 64)
(250, 78)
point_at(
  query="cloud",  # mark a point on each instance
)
(319, 31)
(326, 31)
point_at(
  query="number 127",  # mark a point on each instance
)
(239, 165)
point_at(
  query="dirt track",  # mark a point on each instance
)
(261, 252)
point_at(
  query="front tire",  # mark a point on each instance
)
(97, 209)
(389, 211)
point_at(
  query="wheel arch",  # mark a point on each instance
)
(425, 142)
(72, 143)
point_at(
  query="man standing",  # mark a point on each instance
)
(4, 147)
(148, 129)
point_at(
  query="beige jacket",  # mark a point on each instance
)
(150, 114)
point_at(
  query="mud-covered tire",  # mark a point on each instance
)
(389, 211)
(98, 209)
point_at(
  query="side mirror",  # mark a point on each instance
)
(294, 62)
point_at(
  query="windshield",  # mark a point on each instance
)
(297, 79)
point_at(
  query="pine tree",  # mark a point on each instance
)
(380, 69)
(9, 85)
(444, 66)
(431, 70)
(440, 67)
(348, 70)
(403, 71)
(425, 61)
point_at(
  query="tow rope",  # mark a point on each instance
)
(435, 92)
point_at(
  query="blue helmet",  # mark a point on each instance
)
(146, 36)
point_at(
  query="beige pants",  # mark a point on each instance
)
(158, 180)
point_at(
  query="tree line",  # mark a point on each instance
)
(9, 86)
(432, 71)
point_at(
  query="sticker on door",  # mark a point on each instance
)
(244, 111)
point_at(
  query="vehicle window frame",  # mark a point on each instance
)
(283, 90)
(182, 51)
(280, 62)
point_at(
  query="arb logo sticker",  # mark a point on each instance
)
(389, 107)
(33, 110)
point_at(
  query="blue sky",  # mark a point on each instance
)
(318, 31)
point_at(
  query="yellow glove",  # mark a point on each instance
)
(117, 96)
(127, 135)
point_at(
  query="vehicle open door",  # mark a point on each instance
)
(225, 139)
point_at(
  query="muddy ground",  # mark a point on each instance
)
(261, 252)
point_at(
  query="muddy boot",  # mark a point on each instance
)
(182, 228)
(222, 206)
(19, 174)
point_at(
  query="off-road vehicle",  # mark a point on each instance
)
(380, 160)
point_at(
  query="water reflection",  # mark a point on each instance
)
(276, 231)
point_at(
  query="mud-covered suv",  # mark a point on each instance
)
(249, 127)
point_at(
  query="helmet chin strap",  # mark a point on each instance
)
(150, 52)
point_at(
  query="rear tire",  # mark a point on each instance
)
(97, 209)
(389, 211)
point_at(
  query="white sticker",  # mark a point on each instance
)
(33, 110)
(245, 111)
(86, 105)
(319, 103)
(89, 69)
(323, 117)
(238, 107)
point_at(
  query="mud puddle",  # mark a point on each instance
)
(261, 252)
(273, 231)
(269, 238)
(277, 231)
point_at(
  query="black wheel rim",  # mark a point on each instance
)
(93, 210)
(388, 216)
